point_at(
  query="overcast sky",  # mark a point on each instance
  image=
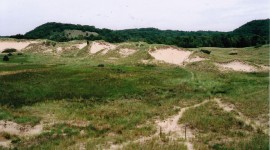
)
(20, 16)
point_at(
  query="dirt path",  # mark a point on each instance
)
(170, 128)
(240, 116)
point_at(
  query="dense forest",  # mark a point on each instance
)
(254, 33)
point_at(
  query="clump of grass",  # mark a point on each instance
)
(156, 144)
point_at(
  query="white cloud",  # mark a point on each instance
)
(19, 16)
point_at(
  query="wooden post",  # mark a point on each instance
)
(160, 132)
(185, 132)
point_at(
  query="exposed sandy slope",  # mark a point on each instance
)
(171, 55)
(81, 46)
(237, 66)
(101, 46)
(126, 52)
(19, 130)
(13, 44)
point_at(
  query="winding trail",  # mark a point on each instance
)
(240, 116)
(174, 130)
(170, 127)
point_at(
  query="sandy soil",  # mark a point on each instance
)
(170, 127)
(81, 46)
(19, 130)
(240, 116)
(171, 55)
(237, 66)
(126, 52)
(101, 46)
(59, 50)
(13, 44)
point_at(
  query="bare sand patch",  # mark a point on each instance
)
(126, 52)
(101, 46)
(81, 46)
(20, 130)
(13, 44)
(237, 66)
(171, 55)
(59, 50)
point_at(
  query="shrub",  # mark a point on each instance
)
(5, 58)
(205, 51)
(9, 50)
(101, 65)
(20, 54)
(9, 54)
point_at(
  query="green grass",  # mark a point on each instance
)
(122, 100)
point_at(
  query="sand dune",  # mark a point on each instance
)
(171, 55)
(13, 44)
(237, 66)
(101, 46)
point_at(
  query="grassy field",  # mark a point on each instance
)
(83, 105)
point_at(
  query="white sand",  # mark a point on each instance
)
(13, 44)
(99, 46)
(126, 52)
(81, 46)
(59, 49)
(171, 55)
(237, 66)
(19, 130)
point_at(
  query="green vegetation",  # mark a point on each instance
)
(251, 34)
(9, 50)
(88, 101)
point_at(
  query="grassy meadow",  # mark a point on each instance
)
(98, 106)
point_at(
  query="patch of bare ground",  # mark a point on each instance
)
(13, 128)
(171, 55)
(256, 125)
(174, 131)
(13, 44)
(170, 128)
(101, 46)
(237, 66)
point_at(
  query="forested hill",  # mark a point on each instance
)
(253, 33)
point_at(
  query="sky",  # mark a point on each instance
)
(21, 16)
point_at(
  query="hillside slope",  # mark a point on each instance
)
(250, 34)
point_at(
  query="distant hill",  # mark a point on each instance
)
(255, 27)
(253, 33)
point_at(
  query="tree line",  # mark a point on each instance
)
(253, 33)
